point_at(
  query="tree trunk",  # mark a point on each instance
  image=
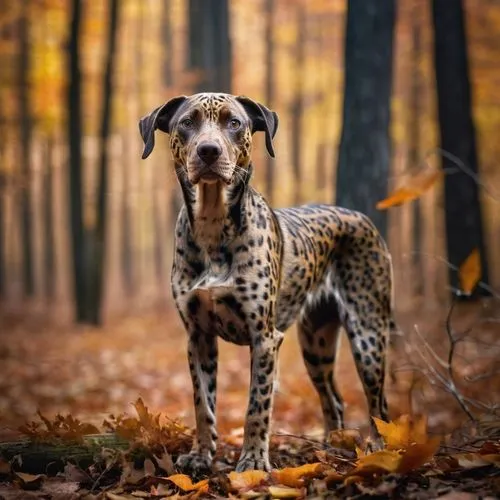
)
(126, 222)
(99, 239)
(25, 136)
(74, 121)
(166, 33)
(298, 103)
(210, 44)
(48, 222)
(364, 153)
(270, 164)
(464, 226)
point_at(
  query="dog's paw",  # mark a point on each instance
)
(194, 464)
(252, 462)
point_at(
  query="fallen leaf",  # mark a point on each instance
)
(418, 454)
(185, 483)
(30, 481)
(248, 479)
(386, 460)
(285, 492)
(149, 467)
(470, 460)
(469, 273)
(396, 434)
(165, 462)
(294, 476)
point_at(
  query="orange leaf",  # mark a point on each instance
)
(383, 460)
(185, 483)
(418, 454)
(294, 476)
(419, 185)
(398, 197)
(247, 479)
(469, 272)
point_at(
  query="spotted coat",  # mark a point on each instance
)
(245, 272)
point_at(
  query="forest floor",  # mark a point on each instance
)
(91, 373)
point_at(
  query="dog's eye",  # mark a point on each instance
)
(187, 123)
(234, 124)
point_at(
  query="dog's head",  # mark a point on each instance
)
(210, 134)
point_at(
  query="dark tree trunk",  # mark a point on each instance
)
(414, 146)
(25, 136)
(75, 164)
(96, 287)
(464, 227)
(48, 222)
(298, 102)
(210, 44)
(364, 153)
(3, 188)
(270, 164)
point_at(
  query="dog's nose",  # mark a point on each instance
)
(209, 152)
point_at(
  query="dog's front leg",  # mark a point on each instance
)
(264, 360)
(202, 356)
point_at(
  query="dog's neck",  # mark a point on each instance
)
(216, 212)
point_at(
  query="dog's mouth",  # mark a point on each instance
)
(210, 174)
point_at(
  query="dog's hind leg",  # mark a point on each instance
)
(318, 331)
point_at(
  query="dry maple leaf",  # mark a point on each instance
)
(185, 483)
(248, 479)
(469, 272)
(294, 476)
(403, 432)
(383, 460)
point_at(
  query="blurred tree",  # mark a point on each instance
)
(413, 124)
(210, 44)
(364, 152)
(75, 130)
(464, 226)
(48, 220)
(99, 235)
(25, 132)
(270, 69)
(298, 101)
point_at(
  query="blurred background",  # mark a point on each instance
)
(375, 97)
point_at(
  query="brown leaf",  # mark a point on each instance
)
(30, 481)
(294, 476)
(469, 272)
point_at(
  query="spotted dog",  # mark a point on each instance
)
(245, 272)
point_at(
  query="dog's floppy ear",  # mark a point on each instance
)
(160, 118)
(263, 120)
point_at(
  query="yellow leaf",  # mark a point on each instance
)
(396, 434)
(185, 483)
(294, 476)
(247, 479)
(284, 492)
(469, 272)
(398, 197)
